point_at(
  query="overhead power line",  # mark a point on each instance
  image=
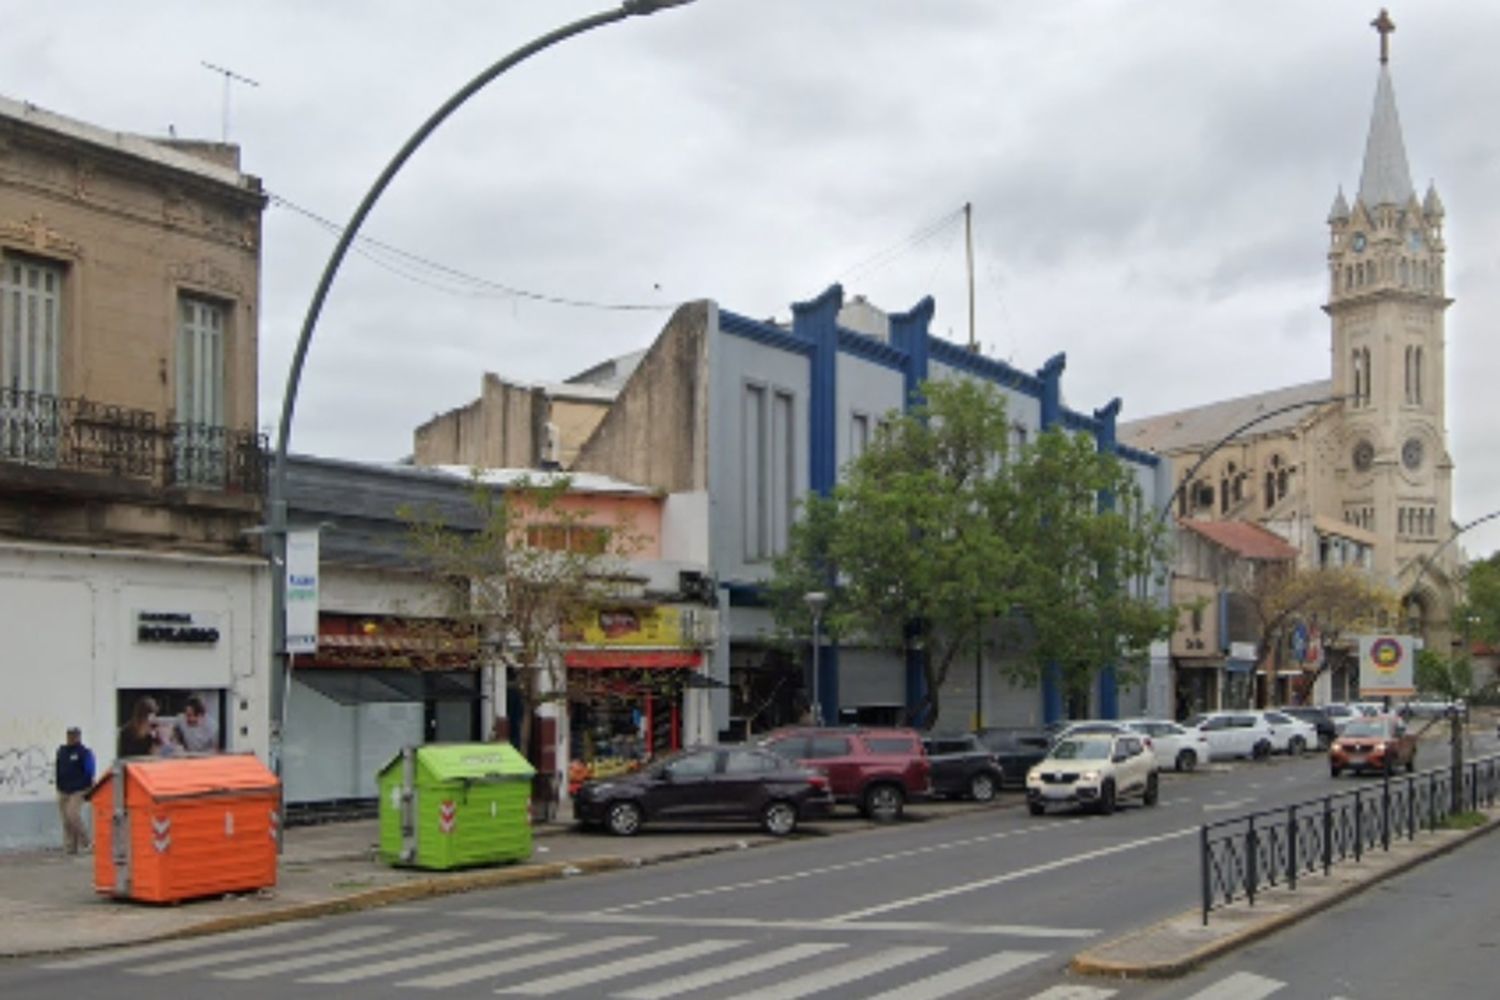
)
(882, 257)
(444, 278)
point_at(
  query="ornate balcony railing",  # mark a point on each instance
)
(73, 434)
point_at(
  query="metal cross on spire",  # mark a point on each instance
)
(1385, 26)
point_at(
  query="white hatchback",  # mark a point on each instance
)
(1233, 734)
(1173, 746)
(1289, 735)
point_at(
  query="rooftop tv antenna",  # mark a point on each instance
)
(229, 76)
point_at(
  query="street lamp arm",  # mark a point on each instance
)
(1203, 459)
(630, 8)
(1432, 556)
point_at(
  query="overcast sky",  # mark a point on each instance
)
(1150, 180)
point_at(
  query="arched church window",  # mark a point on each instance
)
(1281, 484)
(1270, 490)
(1364, 364)
(1416, 376)
(1400, 520)
(1348, 278)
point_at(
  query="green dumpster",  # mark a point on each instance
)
(451, 805)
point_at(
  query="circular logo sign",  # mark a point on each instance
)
(1385, 655)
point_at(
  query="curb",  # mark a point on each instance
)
(1084, 964)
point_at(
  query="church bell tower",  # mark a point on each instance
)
(1387, 302)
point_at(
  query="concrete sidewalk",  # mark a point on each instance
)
(1180, 944)
(48, 903)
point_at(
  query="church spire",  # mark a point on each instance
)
(1385, 179)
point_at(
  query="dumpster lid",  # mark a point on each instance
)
(457, 761)
(195, 774)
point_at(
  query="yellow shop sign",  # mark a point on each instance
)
(644, 626)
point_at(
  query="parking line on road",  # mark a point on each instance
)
(1231, 804)
(369, 970)
(733, 970)
(838, 975)
(259, 970)
(985, 883)
(518, 963)
(1074, 991)
(760, 883)
(115, 956)
(564, 981)
(754, 923)
(217, 956)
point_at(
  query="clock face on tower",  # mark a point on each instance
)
(1411, 454)
(1364, 456)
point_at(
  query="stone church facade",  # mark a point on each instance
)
(1353, 469)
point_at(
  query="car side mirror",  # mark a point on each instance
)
(1121, 758)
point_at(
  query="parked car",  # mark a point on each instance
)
(1233, 734)
(877, 770)
(1172, 745)
(1320, 720)
(1016, 751)
(1380, 744)
(1096, 769)
(1289, 734)
(707, 784)
(1432, 708)
(1341, 715)
(961, 767)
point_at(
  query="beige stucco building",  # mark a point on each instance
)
(130, 464)
(1355, 468)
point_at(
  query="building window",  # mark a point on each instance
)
(757, 512)
(30, 341)
(586, 539)
(782, 477)
(859, 435)
(199, 442)
(770, 470)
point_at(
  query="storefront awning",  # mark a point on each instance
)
(658, 659)
(357, 687)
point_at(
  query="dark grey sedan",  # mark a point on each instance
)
(962, 767)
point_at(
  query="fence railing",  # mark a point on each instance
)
(1243, 856)
(83, 435)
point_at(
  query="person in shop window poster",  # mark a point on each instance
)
(139, 737)
(196, 731)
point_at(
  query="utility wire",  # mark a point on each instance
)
(882, 257)
(405, 261)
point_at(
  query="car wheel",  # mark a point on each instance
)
(1261, 751)
(1153, 791)
(623, 819)
(1107, 798)
(1296, 746)
(1411, 763)
(1036, 808)
(1334, 770)
(1187, 760)
(883, 803)
(779, 818)
(982, 787)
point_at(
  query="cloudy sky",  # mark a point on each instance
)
(1150, 180)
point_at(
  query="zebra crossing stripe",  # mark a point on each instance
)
(837, 975)
(621, 967)
(397, 965)
(339, 956)
(458, 977)
(218, 956)
(733, 970)
(116, 956)
(963, 977)
(1240, 986)
(1073, 991)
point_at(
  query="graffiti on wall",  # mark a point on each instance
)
(26, 749)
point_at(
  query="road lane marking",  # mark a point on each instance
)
(986, 883)
(724, 973)
(218, 956)
(1072, 991)
(1240, 986)
(962, 977)
(1231, 804)
(337, 956)
(564, 981)
(117, 955)
(759, 883)
(519, 963)
(370, 970)
(756, 923)
(838, 975)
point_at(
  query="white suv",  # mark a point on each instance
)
(1093, 770)
(1175, 747)
(1289, 734)
(1233, 734)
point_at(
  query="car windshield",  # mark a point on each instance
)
(1371, 728)
(1081, 750)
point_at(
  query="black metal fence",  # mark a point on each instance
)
(1243, 856)
(83, 435)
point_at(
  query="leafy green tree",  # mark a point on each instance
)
(1482, 613)
(939, 531)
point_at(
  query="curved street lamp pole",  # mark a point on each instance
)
(276, 527)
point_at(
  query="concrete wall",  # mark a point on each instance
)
(69, 617)
(868, 389)
(506, 427)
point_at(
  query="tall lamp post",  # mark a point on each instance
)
(276, 527)
(816, 602)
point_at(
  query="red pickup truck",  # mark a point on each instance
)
(876, 769)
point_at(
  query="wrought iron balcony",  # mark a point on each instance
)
(73, 434)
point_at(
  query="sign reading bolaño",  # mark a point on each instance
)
(1386, 664)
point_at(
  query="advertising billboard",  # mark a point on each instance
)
(1386, 663)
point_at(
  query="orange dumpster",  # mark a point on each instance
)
(175, 828)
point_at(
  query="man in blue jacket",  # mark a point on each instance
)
(75, 775)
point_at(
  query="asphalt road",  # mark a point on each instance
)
(990, 903)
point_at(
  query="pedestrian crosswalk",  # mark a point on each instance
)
(464, 959)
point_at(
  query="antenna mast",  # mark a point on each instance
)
(229, 75)
(969, 256)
